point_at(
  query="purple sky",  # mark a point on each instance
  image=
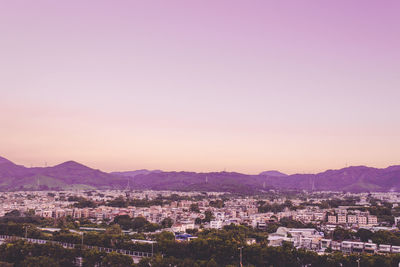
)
(299, 86)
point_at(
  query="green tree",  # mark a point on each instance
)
(92, 258)
(212, 263)
(194, 208)
(124, 221)
(41, 261)
(167, 222)
(114, 229)
(114, 259)
(139, 223)
(364, 234)
(208, 216)
(342, 234)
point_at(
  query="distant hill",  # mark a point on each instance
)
(273, 173)
(353, 179)
(192, 181)
(63, 176)
(4, 161)
(73, 175)
(135, 173)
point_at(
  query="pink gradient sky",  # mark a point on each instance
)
(298, 86)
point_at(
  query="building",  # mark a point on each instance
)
(384, 248)
(372, 220)
(332, 219)
(352, 219)
(216, 224)
(370, 247)
(342, 219)
(362, 220)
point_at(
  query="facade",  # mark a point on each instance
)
(332, 219)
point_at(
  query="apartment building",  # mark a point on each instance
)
(332, 219)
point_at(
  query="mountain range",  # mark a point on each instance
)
(73, 175)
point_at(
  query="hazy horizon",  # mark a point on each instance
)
(177, 85)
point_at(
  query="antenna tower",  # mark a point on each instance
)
(128, 186)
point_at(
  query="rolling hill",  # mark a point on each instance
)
(63, 176)
(72, 174)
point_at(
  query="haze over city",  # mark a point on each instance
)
(202, 86)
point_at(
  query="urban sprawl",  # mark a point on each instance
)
(323, 222)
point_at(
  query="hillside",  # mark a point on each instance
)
(71, 174)
(273, 174)
(63, 176)
(354, 179)
(135, 173)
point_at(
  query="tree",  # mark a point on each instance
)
(217, 203)
(167, 223)
(165, 236)
(341, 234)
(41, 261)
(194, 208)
(212, 263)
(93, 257)
(115, 229)
(288, 203)
(13, 213)
(364, 234)
(118, 202)
(117, 260)
(124, 221)
(208, 216)
(139, 223)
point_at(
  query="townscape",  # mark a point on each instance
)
(323, 223)
(199, 133)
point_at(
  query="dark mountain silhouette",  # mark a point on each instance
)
(71, 174)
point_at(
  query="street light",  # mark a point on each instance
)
(241, 258)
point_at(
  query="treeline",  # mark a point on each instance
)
(211, 248)
(24, 254)
(123, 202)
(208, 252)
(264, 207)
(82, 202)
(140, 224)
(334, 203)
(221, 248)
(17, 217)
(286, 256)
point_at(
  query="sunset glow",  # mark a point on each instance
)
(200, 85)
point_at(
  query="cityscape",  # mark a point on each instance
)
(127, 226)
(199, 133)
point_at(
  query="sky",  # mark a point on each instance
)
(247, 86)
